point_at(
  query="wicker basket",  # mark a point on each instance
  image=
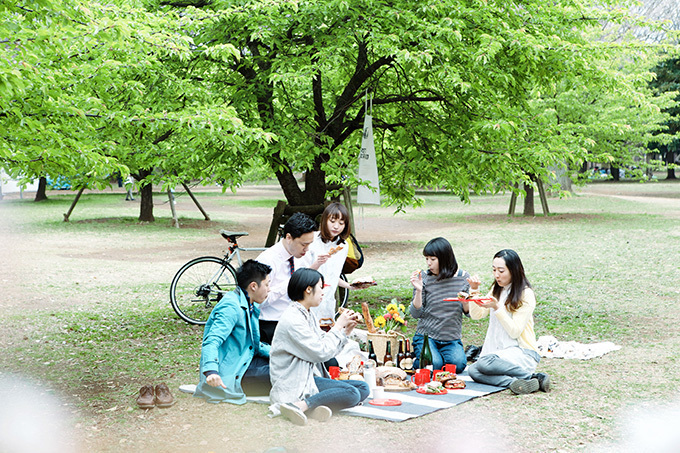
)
(380, 340)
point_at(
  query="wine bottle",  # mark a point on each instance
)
(387, 361)
(408, 352)
(371, 352)
(426, 354)
(406, 363)
(400, 354)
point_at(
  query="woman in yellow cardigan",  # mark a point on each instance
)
(509, 356)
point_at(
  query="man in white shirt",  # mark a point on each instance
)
(284, 257)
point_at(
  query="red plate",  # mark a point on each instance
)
(476, 300)
(425, 392)
(385, 402)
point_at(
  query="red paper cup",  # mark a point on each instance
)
(334, 371)
(421, 377)
(450, 368)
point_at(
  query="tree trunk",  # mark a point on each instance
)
(562, 178)
(529, 200)
(670, 159)
(146, 191)
(315, 186)
(41, 194)
(146, 205)
(315, 183)
(615, 173)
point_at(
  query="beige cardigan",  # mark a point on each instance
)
(518, 324)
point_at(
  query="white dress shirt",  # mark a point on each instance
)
(277, 301)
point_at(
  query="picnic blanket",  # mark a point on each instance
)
(551, 347)
(413, 404)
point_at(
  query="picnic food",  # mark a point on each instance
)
(363, 282)
(443, 376)
(448, 380)
(367, 318)
(356, 365)
(393, 378)
(360, 319)
(463, 295)
(432, 387)
(334, 250)
(454, 384)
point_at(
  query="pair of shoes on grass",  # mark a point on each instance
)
(538, 381)
(159, 396)
(295, 415)
(543, 381)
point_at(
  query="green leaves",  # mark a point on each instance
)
(469, 95)
(90, 89)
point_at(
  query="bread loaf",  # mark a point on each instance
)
(367, 318)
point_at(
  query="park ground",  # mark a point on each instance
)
(85, 321)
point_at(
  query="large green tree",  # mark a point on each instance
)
(90, 89)
(467, 95)
(454, 86)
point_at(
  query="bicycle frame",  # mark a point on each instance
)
(235, 249)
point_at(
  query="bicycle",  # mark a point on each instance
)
(198, 285)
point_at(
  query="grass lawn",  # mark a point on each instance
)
(85, 319)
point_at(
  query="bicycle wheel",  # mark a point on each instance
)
(199, 285)
(341, 295)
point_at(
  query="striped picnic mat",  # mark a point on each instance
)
(414, 404)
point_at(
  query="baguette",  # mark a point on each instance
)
(367, 318)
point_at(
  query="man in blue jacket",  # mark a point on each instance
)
(233, 360)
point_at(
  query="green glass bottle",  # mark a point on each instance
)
(371, 352)
(426, 354)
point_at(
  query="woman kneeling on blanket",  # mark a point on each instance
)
(509, 356)
(301, 385)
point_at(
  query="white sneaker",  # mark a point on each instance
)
(293, 413)
(321, 413)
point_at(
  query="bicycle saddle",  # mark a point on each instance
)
(232, 235)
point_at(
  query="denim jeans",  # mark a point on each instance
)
(493, 370)
(442, 352)
(256, 381)
(337, 394)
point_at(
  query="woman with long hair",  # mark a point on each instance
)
(328, 254)
(509, 356)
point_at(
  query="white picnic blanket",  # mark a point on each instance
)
(551, 347)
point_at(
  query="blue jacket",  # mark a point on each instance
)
(231, 339)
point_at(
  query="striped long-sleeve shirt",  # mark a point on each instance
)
(441, 320)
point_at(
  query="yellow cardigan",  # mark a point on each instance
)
(518, 324)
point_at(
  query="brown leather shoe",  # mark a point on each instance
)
(146, 399)
(163, 396)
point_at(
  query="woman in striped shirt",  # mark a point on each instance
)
(441, 320)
